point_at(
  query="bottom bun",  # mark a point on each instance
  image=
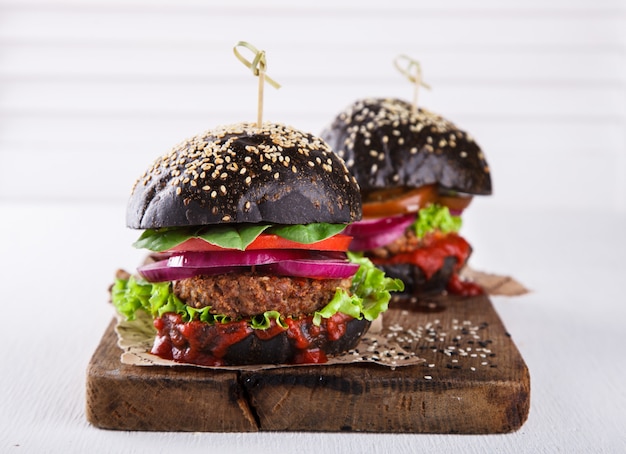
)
(236, 343)
(415, 280)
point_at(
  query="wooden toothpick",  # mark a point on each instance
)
(415, 78)
(258, 65)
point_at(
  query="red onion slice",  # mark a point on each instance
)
(234, 258)
(375, 226)
(190, 264)
(161, 272)
(316, 269)
(370, 234)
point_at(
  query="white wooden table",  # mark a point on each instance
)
(58, 260)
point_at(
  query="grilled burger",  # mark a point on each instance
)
(417, 173)
(248, 263)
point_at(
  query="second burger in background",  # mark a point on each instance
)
(417, 172)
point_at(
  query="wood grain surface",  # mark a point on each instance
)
(473, 381)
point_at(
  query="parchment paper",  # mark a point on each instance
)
(494, 284)
(135, 337)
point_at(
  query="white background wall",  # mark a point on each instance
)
(92, 91)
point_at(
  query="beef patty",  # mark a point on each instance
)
(248, 293)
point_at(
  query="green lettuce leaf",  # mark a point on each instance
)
(306, 233)
(436, 217)
(238, 236)
(232, 237)
(156, 298)
(372, 286)
(162, 239)
(368, 297)
(128, 296)
(342, 302)
(264, 320)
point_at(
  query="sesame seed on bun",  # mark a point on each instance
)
(385, 144)
(243, 173)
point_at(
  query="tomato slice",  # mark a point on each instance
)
(408, 202)
(400, 201)
(339, 242)
(455, 204)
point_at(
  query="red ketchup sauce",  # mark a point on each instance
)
(197, 342)
(457, 286)
(430, 258)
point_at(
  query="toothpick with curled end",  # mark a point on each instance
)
(258, 66)
(415, 78)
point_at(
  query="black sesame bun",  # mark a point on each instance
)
(245, 174)
(386, 145)
(405, 159)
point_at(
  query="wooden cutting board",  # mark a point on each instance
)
(473, 381)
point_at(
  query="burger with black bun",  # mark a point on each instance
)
(248, 260)
(417, 172)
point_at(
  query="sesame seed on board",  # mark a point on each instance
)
(456, 344)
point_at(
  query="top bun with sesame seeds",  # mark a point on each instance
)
(245, 174)
(417, 172)
(387, 145)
